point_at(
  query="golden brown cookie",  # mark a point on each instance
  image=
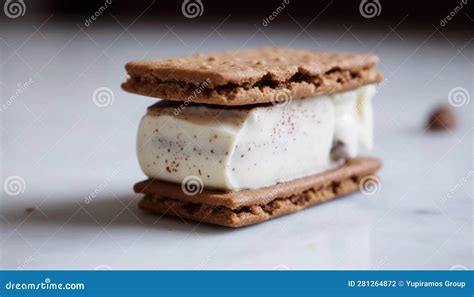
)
(237, 209)
(250, 76)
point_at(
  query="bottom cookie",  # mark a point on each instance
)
(237, 209)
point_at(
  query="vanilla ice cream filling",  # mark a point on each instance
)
(233, 148)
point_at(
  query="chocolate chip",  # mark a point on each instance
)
(339, 151)
(441, 118)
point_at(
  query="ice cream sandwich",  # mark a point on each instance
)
(243, 137)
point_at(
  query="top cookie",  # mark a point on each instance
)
(250, 76)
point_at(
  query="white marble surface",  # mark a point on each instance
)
(65, 148)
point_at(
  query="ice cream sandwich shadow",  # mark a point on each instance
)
(241, 157)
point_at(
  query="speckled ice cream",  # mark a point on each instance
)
(253, 147)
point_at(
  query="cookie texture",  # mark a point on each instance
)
(237, 209)
(250, 76)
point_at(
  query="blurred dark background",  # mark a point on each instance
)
(419, 14)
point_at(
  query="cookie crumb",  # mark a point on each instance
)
(29, 209)
(441, 118)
